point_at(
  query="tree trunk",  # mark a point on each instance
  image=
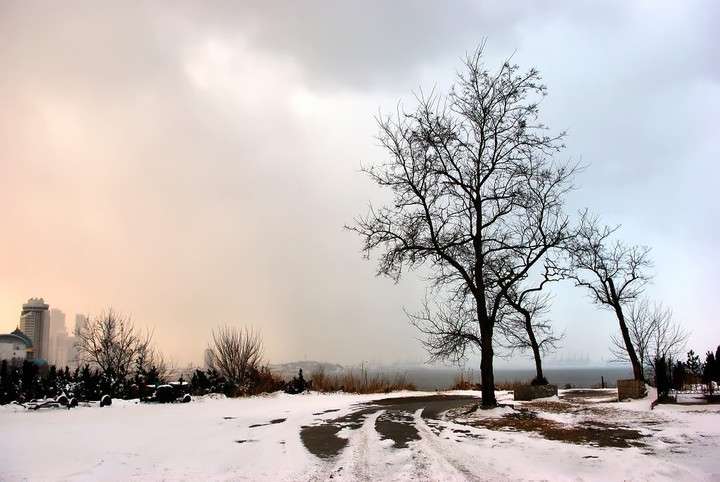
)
(634, 361)
(632, 355)
(487, 377)
(535, 348)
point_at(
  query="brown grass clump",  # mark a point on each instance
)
(360, 381)
(464, 381)
(510, 385)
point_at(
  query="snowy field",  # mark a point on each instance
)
(580, 435)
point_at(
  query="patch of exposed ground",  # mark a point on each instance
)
(327, 411)
(551, 406)
(398, 426)
(585, 396)
(599, 434)
(594, 411)
(322, 439)
(271, 422)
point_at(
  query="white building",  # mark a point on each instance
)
(15, 347)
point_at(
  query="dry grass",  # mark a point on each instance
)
(359, 381)
(592, 433)
(465, 381)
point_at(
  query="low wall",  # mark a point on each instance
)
(531, 392)
(630, 389)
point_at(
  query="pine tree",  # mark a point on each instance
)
(5, 388)
(678, 375)
(709, 370)
(50, 383)
(662, 377)
(693, 365)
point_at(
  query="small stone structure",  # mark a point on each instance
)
(531, 392)
(631, 389)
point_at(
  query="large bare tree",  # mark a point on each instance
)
(477, 201)
(613, 273)
(111, 342)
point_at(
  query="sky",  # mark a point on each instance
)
(192, 164)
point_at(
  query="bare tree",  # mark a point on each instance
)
(525, 327)
(653, 334)
(111, 342)
(477, 200)
(613, 273)
(236, 354)
(669, 338)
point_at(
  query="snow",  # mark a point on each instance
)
(211, 438)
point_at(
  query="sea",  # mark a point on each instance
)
(576, 377)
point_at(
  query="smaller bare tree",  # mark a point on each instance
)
(236, 354)
(527, 329)
(653, 332)
(524, 326)
(112, 343)
(613, 273)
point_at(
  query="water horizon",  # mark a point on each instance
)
(440, 378)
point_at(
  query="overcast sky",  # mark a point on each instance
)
(193, 165)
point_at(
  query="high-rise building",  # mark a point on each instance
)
(73, 354)
(57, 333)
(34, 323)
(81, 322)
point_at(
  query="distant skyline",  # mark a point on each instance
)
(192, 165)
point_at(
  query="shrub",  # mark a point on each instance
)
(297, 384)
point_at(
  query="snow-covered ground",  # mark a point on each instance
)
(259, 438)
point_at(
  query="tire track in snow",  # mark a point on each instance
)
(441, 464)
(354, 461)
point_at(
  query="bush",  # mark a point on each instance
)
(297, 384)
